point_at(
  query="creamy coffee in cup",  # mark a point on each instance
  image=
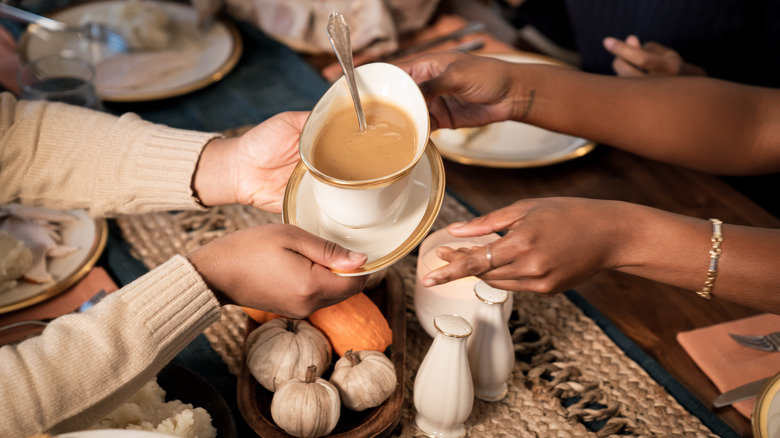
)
(345, 152)
(362, 178)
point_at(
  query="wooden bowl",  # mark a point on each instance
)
(254, 401)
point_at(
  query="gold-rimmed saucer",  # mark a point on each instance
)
(384, 243)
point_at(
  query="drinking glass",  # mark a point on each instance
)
(60, 78)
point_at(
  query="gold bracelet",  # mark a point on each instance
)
(712, 272)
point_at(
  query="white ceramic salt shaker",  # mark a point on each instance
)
(490, 350)
(443, 390)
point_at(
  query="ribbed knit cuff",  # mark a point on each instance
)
(156, 172)
(176, 305)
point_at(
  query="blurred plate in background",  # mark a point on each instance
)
(195, 59)
(89, 236)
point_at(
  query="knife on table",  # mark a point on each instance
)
(740, 393)
(471, 27)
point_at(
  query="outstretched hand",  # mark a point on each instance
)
(634, 59)
(252, 169)
(550, 245)
(278, 268)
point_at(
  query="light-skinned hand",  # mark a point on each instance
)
(278, 268)
(252, 169)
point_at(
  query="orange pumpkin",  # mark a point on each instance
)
(260, 316)
(354, 324)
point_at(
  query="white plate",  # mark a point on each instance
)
(89, 235)
(766, 412)
(114, 433)
(202, 57)
(511, 144)
(385, 243)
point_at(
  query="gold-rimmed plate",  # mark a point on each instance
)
(89, 236)
(195, 59)
(511, 144)
(766, 412)
(385, 243)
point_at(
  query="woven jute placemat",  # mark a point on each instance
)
(570, 378)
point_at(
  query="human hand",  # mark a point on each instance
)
(278, 268)
(9, 62)
(635, 59)
(252, 169)
(458, 92)
(550, 245)
(206, 10)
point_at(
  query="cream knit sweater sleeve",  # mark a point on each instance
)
(68, 157)
(83, 366)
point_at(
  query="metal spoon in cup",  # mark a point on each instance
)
(338, 34)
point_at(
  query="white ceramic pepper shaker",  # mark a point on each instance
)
(443, 390)
(490, 350)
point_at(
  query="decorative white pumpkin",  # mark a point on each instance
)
(283, 349)
(308, 407)
(364, 379)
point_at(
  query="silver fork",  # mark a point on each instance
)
(93, 31)
(44, 322)
(768, 342)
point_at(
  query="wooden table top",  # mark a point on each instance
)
(649, 313)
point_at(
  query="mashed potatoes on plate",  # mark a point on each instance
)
(148, 410)
(144, 24)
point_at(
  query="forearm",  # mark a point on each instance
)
(85, 365)
(701, 123)
(70, 157)
(674, 249)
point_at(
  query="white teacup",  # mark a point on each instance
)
(360, 204)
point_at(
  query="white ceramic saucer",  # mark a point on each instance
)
(384, 243)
